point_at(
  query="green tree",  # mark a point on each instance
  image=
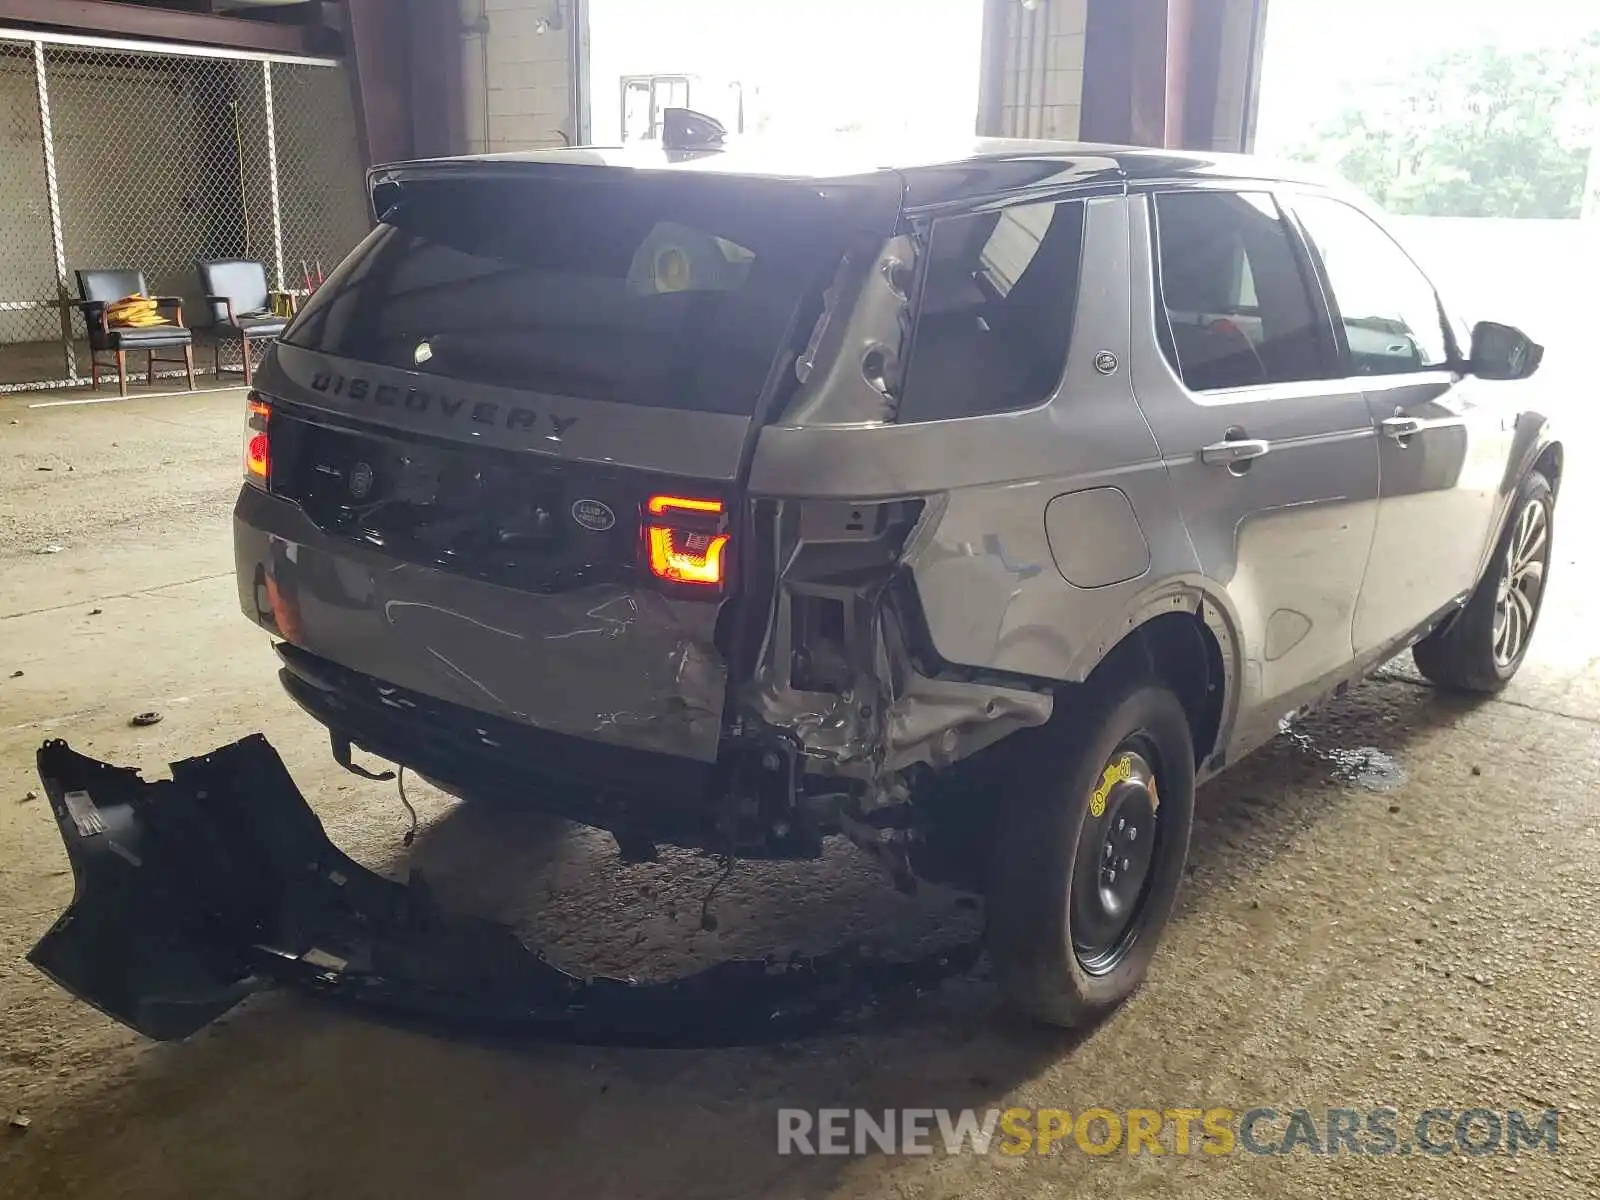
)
(1477, 133)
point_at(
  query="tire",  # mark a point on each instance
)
(1473, 652)
(1042, 934)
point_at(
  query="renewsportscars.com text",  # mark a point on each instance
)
(1374, 1132)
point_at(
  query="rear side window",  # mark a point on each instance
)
(1237, 301)
(995, 317)
(675, 293)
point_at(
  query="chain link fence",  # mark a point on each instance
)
(115, 156)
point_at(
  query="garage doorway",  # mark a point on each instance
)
(887, 69)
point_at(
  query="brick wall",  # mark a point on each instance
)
(1042, 66)
(525, 101)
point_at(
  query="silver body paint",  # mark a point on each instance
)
(1043, 537)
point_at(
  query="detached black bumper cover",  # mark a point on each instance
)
(192, 894)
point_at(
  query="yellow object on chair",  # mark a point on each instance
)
(137, 311)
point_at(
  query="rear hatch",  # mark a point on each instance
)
(512, 427)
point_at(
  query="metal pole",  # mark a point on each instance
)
(272, 174)
(992, 71)
(63, 295)
(578, 57)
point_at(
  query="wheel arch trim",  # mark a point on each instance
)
(1193, 596)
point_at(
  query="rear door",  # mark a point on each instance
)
(1444, 439)
(1272, 456)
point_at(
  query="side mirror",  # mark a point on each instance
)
(1503, 352)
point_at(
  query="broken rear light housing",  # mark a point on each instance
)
(686, 541)
(257, 443)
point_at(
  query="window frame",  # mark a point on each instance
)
(922, 226)
(1454, 358)
(1331, 350)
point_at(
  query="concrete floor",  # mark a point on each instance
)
(1430, 945)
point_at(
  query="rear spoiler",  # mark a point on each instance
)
(883, 190)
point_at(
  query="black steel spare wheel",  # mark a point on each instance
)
(1115, 852)
(1089, 852)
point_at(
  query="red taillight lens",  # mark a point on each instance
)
(684, 557)
(662, 505)
(690, 545)
(257, 448)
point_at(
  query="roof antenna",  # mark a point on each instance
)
(685, 129)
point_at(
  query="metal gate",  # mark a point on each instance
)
(126, 155)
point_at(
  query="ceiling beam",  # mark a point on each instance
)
(406, 62)
(102, 18)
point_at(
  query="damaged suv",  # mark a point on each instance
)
(974, 508)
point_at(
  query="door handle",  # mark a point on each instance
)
(1401, 427)
(1233, 451)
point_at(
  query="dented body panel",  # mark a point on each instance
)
(549, 661)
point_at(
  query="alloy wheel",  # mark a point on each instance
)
(1521, 581)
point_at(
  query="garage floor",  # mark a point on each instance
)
(1433, 944)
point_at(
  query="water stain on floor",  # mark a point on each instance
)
(1364, 767)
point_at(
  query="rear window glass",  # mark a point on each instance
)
(673, 294)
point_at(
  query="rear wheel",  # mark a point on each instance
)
(1481, 649)
(1090, 852)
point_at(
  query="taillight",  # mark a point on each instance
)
(257, 450)
(686, 541)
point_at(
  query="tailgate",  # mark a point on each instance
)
(621, 318)
(496, 582)
(507, 437)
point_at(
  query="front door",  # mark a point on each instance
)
(1443, 440)
(1272, 456)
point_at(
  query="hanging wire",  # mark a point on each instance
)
(400, 782)
(708, 921)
